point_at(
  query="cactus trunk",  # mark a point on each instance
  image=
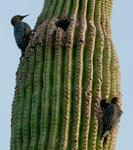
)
(69, 65)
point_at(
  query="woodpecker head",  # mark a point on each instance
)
(16, 19)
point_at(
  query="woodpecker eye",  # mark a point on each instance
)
(62, 24)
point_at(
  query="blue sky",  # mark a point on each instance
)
(122, 24)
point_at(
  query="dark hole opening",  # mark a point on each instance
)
(63, 24)
(104, 103)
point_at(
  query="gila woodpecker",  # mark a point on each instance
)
(22, 31)
(111, 115)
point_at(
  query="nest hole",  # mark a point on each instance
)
(104, 104)
(63, 24)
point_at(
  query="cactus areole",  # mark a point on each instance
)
(69, 65)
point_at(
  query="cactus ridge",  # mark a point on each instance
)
(28, 102)
(69, 65)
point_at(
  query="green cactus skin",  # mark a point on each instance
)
(66, 70)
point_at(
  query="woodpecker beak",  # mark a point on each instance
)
(25, 16)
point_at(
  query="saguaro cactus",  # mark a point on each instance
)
(69, 65)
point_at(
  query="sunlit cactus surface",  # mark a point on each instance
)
(69, 66)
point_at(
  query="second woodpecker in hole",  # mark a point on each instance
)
(111, 115)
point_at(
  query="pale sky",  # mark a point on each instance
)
(122, 28)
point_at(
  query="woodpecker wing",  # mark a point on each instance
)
(21, 36)
(111, 118)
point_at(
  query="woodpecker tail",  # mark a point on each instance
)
(104, 133)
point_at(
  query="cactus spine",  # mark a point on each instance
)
(69, 65)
